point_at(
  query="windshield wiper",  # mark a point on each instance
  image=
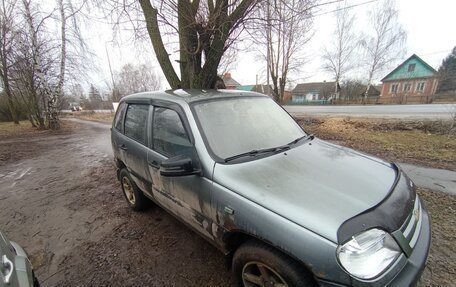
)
(310, 136)
(257, 152)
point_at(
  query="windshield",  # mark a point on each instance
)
(238, 125)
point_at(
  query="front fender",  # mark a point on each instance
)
(235, 213)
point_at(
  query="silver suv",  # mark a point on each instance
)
(288, 208)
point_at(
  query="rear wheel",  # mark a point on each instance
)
(134, 196)
(257, 264)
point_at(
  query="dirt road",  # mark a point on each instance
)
(59, 198)
(64, 206)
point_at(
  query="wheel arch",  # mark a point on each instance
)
(119, 165)
(236, 239)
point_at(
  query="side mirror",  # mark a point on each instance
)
(180, 165)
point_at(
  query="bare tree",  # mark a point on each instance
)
(285, 29)
(338, 57)
(137, 78)
(203, 31)
(386, 44)
(53, 54)
(39, 54)
(7, 40)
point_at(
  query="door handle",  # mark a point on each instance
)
(154, 164)
(8, 264)
(124, 147)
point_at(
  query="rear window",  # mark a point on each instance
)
(119, 116)
(136, 122)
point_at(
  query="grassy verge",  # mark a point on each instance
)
(422, 143)
(441, 266)
(25, 129)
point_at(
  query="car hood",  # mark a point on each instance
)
(317, 185)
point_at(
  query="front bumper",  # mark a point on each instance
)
(411, 272)
(407, 270)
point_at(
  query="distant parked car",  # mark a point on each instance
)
(15, 267)
(288, 208)
(76, 109)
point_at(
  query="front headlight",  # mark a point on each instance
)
(369, 253)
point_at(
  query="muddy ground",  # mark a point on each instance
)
(59, 199)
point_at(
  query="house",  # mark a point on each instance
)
(264, 90)
(230, 83)
(413, 78)
(256, 88)
(312, 92)
(355, 90)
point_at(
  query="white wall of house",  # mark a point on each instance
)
(312, 97)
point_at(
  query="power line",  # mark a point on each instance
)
(436, 52)
(344, 8)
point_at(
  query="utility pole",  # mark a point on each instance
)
(109, 64)
(112, 76)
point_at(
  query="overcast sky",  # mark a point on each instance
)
(429, 25)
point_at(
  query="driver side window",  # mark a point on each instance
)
(169, 135)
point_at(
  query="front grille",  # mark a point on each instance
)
(412, 225)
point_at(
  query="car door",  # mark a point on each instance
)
(134, 144)
(117, 139)
(8, 274)
(187, 197)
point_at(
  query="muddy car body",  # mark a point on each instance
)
(236, 168)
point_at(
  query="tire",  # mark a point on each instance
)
(134, 196)
(258, 264)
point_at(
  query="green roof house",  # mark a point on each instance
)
(413, 78)
(256, 88)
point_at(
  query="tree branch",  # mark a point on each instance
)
(150, 15)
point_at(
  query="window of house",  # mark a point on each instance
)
(420, 86)
(169, 135)
(411, 67)
(136, 121)
(407, 87)
(394, 88)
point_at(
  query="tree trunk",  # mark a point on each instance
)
(11, 104)
(282, 83)
(162, 55)
(7, 88)
(196, 38)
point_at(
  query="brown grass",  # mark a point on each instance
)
(441, 266)
(25, 128)
(92, 116)
(422, 143)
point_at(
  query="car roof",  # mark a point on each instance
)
(188, 96)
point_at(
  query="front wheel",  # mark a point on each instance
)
(134, 196)
(257, 264)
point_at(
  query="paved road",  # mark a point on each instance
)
(435, 179)
(432, 178)
(431, 111)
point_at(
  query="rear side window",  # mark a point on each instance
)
(169, 135)
(119, 116)
(136, 122)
